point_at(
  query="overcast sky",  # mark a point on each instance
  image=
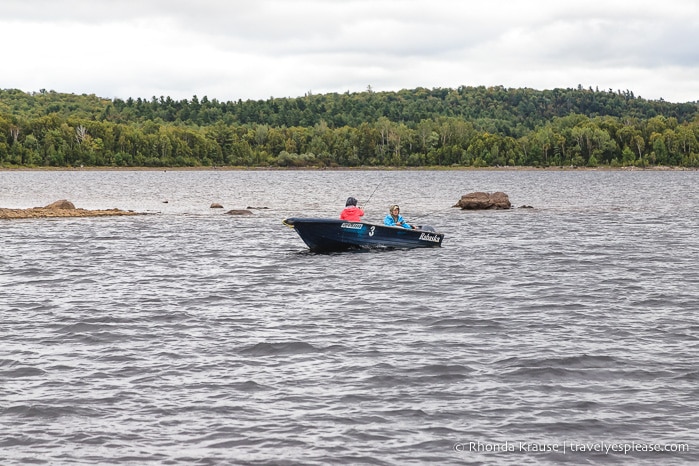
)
(256, 49)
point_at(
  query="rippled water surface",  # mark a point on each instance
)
(188, 336)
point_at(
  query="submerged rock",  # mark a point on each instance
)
(62, 208)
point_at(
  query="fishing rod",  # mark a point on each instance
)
(372, 193)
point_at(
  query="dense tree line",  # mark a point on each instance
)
(467, 126)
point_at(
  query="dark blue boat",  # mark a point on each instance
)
(329, 234)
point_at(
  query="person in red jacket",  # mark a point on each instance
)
(351, 212)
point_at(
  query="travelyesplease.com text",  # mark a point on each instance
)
(571, 447)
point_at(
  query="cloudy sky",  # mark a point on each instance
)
(256, 49)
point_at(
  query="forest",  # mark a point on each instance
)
(462, 127)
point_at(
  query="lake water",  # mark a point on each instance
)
(189, 336)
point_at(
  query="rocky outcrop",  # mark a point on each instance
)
(239, 212)
(484, 201)
(62, 208)
(62, 204)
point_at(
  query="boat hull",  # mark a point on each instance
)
(323, 235)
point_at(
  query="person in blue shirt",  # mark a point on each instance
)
(394, 218)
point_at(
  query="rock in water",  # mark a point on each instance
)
(62, 204)
(483, 201)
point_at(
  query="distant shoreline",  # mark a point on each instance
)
(365, 168)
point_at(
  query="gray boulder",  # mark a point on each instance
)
(484, 201)
(62, 204)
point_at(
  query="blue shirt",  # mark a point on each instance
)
(389, 221)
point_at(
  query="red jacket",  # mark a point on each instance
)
(352, 213)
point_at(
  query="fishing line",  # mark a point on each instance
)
(372, 193)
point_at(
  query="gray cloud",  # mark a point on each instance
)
(241, 49)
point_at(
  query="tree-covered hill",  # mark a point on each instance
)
(465, 126)
(511, 108)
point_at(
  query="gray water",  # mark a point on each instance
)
(188, 336)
